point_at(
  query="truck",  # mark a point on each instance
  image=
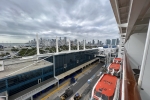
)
(67, 94)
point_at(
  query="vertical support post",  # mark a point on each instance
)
(84, 45)
(120, 44)
(31, 97)
(144, 60)
(6, 95)
(69, 45)
(77, 45)
(42, 76)
(123, 76)
(54, 69)
(58, 83)
(56, 45)
(54, 64)
(37, 44)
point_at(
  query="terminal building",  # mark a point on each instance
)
(27, 78)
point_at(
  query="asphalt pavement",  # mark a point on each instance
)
(84, 79)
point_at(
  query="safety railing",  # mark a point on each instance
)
(129, 85)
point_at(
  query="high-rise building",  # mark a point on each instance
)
(117, 41)
(75, 40)
(98, 42)
(93, 41)
(113, 42)
(108, 41)
(65, 40)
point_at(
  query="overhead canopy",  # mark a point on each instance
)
(75, 69)
(132, 16)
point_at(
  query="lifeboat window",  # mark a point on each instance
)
(98, 94)
(105, 89)
(101, 89)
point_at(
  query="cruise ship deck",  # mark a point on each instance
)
(133, 20)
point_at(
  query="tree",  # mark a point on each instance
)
(14, 49)
(7, 53)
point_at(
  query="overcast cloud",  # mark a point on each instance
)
(20, 20)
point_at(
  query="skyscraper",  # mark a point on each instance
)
(113, 42)
(75, 41)
(98, 42)
(108, 41)
(93, 41)
(117, 41)
(65, 40)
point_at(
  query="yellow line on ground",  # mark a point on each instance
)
(48, 95)
(84, 71)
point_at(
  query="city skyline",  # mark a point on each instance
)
(65, 40)
(20, 23)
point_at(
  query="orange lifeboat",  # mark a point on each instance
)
(114, 66)
(104, 88)
(117, 60)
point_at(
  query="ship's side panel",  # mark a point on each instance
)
(135, 47)
(145, 82)
(145, 70)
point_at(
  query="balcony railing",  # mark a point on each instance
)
(129, 85)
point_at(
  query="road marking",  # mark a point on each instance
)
(99, 73)
(48, 95)
(80, 91)
(74, 83)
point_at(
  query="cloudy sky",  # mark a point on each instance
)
(20, 20)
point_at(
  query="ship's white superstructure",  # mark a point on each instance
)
(133, 19)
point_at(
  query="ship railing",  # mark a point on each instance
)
(116, 95)
(129, 89)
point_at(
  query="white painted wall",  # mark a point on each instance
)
(121, 43)
(145, 94)
(135, 47)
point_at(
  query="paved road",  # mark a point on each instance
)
(87, 92)
(84, 79)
